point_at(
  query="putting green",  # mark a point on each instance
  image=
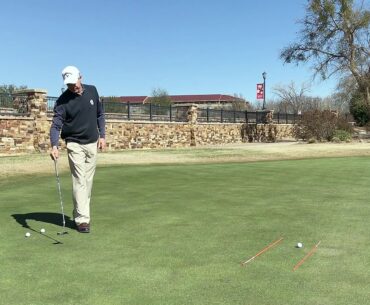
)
(176, 234)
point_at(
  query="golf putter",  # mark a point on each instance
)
(60, 197)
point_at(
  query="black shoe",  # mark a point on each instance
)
(83, 228)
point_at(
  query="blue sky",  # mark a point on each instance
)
(131, 47)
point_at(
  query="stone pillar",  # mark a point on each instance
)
(193, 114)
(192, 119)
(269, 116)
(37, 110)
(264, 116)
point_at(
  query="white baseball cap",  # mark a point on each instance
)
(70, 75)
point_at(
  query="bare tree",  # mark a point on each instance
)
(239, 103)
(291, 98)
(160, 97)
(346, 87)
(9, 89)
(335, 38)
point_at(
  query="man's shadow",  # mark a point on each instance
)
(52, 218)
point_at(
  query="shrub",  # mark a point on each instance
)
(316, 124)
(320, 125)
(343, 124)
(342, 135)
(336, 140)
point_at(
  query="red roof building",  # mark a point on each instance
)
(202, 100)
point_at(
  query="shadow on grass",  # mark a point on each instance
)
(52, 218)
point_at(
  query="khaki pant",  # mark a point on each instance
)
(82, 162)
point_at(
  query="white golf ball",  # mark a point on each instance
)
(299, 245)
(42, 230)
(28, 234)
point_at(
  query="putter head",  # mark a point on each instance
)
(62, 233)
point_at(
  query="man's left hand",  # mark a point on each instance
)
(101, 144)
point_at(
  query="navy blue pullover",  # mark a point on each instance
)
(79, 117)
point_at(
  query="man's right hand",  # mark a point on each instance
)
(54, 153)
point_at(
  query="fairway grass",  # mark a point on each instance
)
(39, 163)
(176, 234)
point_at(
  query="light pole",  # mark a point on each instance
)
(264, 90)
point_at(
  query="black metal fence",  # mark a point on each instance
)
(174, 113)
(145, 112)
(50, 100)
(17, 105)
(285, 118)
(13, 105)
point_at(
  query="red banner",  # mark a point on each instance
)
(260, 92)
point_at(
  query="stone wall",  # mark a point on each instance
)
(31, 133)
(27, 133)
(16, 134)
(267, 132)
(126, 135)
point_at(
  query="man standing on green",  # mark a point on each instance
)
(79, 120)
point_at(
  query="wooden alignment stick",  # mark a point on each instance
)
(306, 256)
(262, 251)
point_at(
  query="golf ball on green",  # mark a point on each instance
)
(28, 234)
(299, 245)
(42, 230)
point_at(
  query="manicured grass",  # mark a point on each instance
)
(176, 234)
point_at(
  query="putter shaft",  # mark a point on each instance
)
(60, 197)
